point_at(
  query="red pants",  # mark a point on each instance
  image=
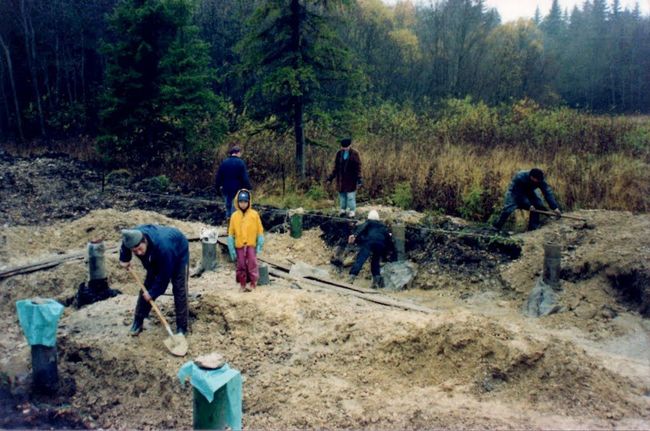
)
(247, 270)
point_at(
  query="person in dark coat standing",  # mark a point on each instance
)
(347, 172)
(373, 239)
(522, 194)
(232, 176)
(165, 254)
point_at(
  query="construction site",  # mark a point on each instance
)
(453, 348)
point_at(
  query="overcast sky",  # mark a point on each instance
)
(513, 9)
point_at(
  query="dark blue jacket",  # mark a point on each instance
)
(232, 176)
(373, 232)
(522, 190)
(167, 253)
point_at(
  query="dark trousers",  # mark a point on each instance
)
(179, 289)
(229, 201)
(374, 249)
(511, 205)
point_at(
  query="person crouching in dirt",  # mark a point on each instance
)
(521, 195)
(245, 240)
(374, 239)
(165, 254)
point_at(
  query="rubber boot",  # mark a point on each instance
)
(377, 282)
(136, 329)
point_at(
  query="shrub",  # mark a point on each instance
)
(157, 184)
(316, 193)
(402, 196)
(121, 177)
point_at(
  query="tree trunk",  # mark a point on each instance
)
(10, 70)
(300, 137)
(57, 62)
(298, 105)
(30, 48)
(5, 122)
(83, 69)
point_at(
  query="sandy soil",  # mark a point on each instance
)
(312, 358)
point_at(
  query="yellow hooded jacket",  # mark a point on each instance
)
(245, 226)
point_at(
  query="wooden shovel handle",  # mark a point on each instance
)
(153, 303)
(551, 213)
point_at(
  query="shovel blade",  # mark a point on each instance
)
(176, 344)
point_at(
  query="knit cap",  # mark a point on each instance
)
(131, 237)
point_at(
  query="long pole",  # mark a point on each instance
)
(551, 213)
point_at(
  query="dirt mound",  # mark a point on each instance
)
(605, 264)
(24, 244)
(312, 358)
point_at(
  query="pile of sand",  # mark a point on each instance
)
(312, 358)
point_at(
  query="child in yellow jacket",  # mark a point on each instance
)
(245, 240)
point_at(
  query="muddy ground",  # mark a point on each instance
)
(314, 358)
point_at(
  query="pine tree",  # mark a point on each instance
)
(297, 64)
(537, 18)
(158, 103)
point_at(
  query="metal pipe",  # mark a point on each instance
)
(552, 264)
(399, 240)
(96, 266)
(45, 374)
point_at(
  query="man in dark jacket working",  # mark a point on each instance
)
(232, 176)
(374, 239)
(165, 254)
(521, 195)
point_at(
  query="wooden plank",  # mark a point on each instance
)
(375, 298)
(336, 283)
(51, 263)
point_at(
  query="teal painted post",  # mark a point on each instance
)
(210, 415)
(296, 225)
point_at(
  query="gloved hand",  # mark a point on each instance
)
(557, 212)
(532, 208)
(260, 243)
(231, 248)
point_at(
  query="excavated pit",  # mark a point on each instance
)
(633, 286)
(314, 358)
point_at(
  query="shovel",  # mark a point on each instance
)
(175, 343)
(551, 213)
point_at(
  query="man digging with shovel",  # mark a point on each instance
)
(164, 253)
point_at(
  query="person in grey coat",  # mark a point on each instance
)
(522, 194)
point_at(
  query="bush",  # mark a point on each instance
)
(119, 177)
(402, 196)
(157, 184)
(316, 193)
(482, 200)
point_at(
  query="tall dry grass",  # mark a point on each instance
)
(461, 160)
(458, 159)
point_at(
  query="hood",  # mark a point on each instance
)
(250, 201)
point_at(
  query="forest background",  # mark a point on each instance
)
(444, 101)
